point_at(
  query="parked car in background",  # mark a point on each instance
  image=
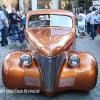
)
(50, 62)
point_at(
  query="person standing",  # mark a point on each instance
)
(19, 17)
(23, 19)
(3, 27)
(81, 23)
(29, 9)
(92, 17)
(96, 21)
(5, 11)
(88, 22)
(13, 18)
(6, 19)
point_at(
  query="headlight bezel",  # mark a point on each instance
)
(74, 60)
(26, 60)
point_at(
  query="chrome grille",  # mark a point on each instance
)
(49, 67)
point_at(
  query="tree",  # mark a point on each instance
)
(85, 4)
(68, 6)
(9, 3)
(1, 1)
(74, 6)
(26, 4)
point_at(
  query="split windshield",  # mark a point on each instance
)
(50, 20)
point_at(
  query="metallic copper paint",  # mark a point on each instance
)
(38, 40)
(51, 47)
(85, 74)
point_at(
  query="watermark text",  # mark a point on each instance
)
(19, 91)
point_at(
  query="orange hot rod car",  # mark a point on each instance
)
(49, 62)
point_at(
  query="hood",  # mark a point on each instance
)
(51, 42)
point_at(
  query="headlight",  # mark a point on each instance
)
(26, 60)
(74, 60)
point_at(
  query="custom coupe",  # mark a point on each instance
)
(50, 62)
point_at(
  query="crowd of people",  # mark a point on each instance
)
(9, 22)
(89, 22)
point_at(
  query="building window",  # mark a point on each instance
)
(43, 4)
(30, 3)
(65, 4)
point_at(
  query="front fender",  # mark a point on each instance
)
(15, 76)
(82, 77)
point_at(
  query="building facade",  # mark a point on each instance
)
(43, 4)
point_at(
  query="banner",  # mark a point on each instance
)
(96, 3)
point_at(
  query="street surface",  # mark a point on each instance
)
(83, 44)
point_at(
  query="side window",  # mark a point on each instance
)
(33, 21)
(39, 20)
